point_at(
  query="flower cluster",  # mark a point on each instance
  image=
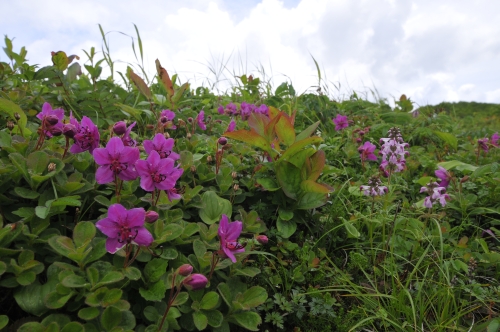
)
(374, 187)
(228, 237)
(245, 110)
(85, 134)
(166, 119)
(393, 152)
(51, 120)
(484, 143)
(436, 194)
(340, 122)
(359, 133)
(443, 175)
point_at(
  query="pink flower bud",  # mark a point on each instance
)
(69, 130)
(262, 239)
(55, 131)
(120, 128)
(151, 216)
(52, 119)
(185, 270)
(195, 281)
(222, 141)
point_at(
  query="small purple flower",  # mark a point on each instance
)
(340, 122)
(161, 145)
(200, 119)
(195, 282)
(115, 160)
(231, 109)
(126, 139)
(119, 128)
(166, 118)
(69, 130)
(185, 270)
(263, 109)
(123, 226)
(262, 239)
(366, 151)
(50, 118)
(228, 236)
(172, 194)
(232, 126)
(436, 194)
(483, 144)
(157, 173)
(152, 216)
(220, 109)
(374, 187)
(444, 176)
(494, 139)
(87, 135)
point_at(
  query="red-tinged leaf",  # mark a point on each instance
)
(292, 118)
(60, 60)
(140, 84)
(249, 136)
(273, 112)
(307, 132)
(315, 165)
(463, 242)
(258, 122)
(284, 130)
(314, 187)
(270, 130)
(164, 78)
(298, 146)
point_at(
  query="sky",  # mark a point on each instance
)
(432, 51)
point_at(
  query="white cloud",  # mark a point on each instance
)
(431, 51)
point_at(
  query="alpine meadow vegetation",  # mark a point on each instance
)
(136, 203)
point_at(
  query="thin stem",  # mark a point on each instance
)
(214, 263)
(171, 299)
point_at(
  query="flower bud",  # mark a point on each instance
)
(182, 123)
(120, 128)
(234, 175)
(209, 159)
(69, 130)
(167, 135)
(189, 135)
(262, 239)
(51, 167)
(185, 270)
(236, 187)
(193, 169)
(464, 179)
(222, 141)
(163, 119)
(55, 131)
(195, 282)
(17, 116)
(151, 216)
(51, 119)
(10, 125)
(190, 120)
(358, 140)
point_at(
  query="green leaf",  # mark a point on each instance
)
(311, 186)
(214, 207)
(26, 278)
(155, 268)
(73, 327)
(353, 232)
(299, 145)
(209, 301)
(26, 193)
(156, 291)
(268, 184)
(62, 245)
(285, 214)
(307, 132)
(10, 108)
(19, 161)
(458, 165)
(289, 177)
(200, 320)
(88, 313)
(54, 300)
(102, 200)
(250, 137)
(215, 318)
(448, 138)
(311, 201)
(42, 211)
(286, 228)
(253, 297)
(60, 60)
(199, 248)
(247, 271)
(132, 273)
(37, 162)
(31, 327)
(110, 278)
(83, 233)
(74, 281)
(285, 131)
(181, 299)
(111, 297)
(248, 319)
(4, 320)
(110, 318)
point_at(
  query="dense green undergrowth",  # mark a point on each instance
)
(314, 252)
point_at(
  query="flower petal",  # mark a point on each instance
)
(144, 237)
(104, 175)
(147, 183)
(115, 147)
(101, 156)
(223, 226)
(148, 146)
(142, 168)
(154, 160)
(113, 245)
(229, 254)
(136, 217)
(108, 227)
(118, 214)
(234, 230)
(128, 174)
(129, 155)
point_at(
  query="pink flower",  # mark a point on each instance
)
(494, 139)
(152, 216)
(51, 119)
(126, 139)
(228, 237)
(366, 151)
(87, 135)
(436, 194)
(232, 126)
(340, 122)
(262, 239)
(185, 270)
(483, 144)
(172, 194)
(157, 173)
(124, 226)
(166, 117)
(444, 176)
(120, 127)
(161, 145)
(200, 119)
(115, 160)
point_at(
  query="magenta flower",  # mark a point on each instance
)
(340, 122)
(166, 118)
(195, 282)
(126, 139)
(374, 187)
(436, 194)
(200, 119)
(172, 194)
(228, 237)
(366, 151)
(494, 139)
(483, 144)
(161, 145)
(115, 160)
(444, 176)
(87, 135)
(232, 126)
(157, 173)
(124, 226)
(51, 119)
(120, 127)
(220, 109)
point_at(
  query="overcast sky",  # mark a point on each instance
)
(430, 50)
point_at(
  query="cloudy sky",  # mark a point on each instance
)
(433, 51)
